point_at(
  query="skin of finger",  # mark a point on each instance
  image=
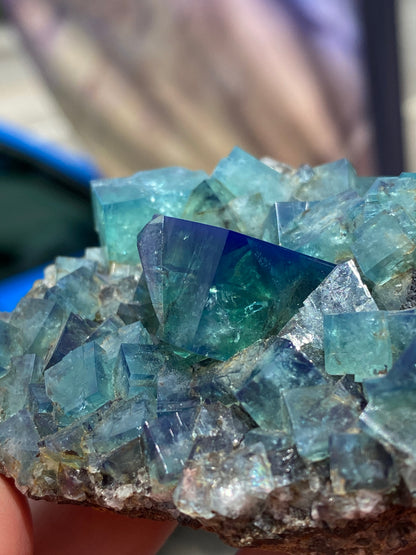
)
(69, 529)
(16, 537)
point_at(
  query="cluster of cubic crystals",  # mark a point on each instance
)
(254, 359)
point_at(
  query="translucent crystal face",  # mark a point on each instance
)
(216, 375)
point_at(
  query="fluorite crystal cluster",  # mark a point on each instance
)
(249, 367)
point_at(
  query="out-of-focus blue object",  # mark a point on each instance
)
(19, 143)
(12, 289)
(72, 168)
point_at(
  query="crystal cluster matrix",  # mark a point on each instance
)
(239, 354)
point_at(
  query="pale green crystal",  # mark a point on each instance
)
(366, 344)
(123, 206)
(243, 174)
(382, 249)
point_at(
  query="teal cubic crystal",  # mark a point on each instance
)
(79, 383)
(14, 385)
(216, 291)
(39, 321)
(391, 418)
(122, 207)
(120, 423)
(320, 229)
(318, 412)
(207, 204)
(323, 181)
(138, 370)
(389, 192)
(382, 249)
(390, 415)
(168, 442)
(341, 291)
(10, 343)
(243, 174)
(74, 333)
(357, 461)
(19, 444)
(366, 344)
(77, 292)
(358, 344)
(261, 396)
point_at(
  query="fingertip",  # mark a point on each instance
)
(16, 531)
(68, 529)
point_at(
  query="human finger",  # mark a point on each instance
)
(16, 537)
(69, 529)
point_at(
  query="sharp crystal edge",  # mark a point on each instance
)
(250, 368)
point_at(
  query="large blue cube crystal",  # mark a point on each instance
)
(215, 291)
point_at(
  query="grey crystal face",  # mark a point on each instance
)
(229, 382)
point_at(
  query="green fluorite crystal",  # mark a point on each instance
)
(367, 343)
(123, 206)
(227, 373)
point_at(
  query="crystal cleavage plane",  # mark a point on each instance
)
(239, 354)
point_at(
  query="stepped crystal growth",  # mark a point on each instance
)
(249, 368)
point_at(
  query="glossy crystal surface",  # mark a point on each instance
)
(215, 376)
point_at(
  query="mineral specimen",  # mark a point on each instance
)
(227, 373)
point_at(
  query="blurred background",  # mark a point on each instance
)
(110, 87)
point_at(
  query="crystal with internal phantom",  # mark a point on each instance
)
(216, 291)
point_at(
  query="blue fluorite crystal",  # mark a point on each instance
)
(80, 382)
(216, 291)
(261, 394)
(316, 413)
(357, 462)
(168, 442)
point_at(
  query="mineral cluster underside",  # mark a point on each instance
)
(239, 354)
